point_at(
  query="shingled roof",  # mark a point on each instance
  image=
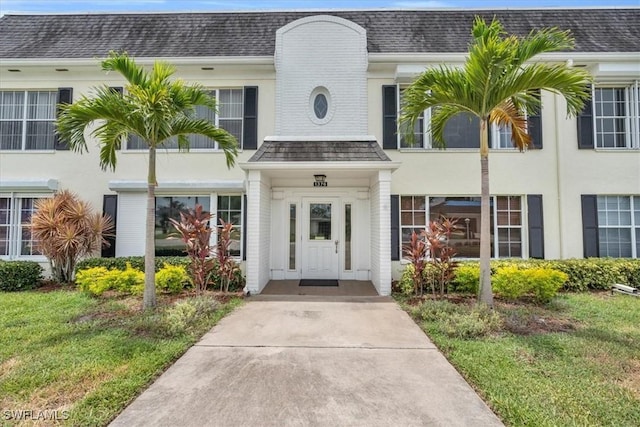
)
(253, 33)
(320, 151)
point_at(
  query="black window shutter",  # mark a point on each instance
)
(110, 208)
(65, 96)
(395, 227)
(250, 122)
(585, 127)
(536, 226)
(590, 238)
(244, 228)
(389, 117)
(534, 127)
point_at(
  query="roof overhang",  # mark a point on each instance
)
(601, 64)
(196, 60)
(29, 185)
(124, 186)
(302, 157)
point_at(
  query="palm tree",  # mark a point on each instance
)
(154, 108)
(498, 84)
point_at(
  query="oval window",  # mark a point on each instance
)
(320, 106)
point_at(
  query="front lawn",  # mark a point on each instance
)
(81, 360)
(575, 362)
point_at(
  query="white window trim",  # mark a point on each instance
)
(426, 132)
(632, 117)
(15, 227)
(523, 226)
(214, 234)
(216, 122)
(24, 120)
(633, 226)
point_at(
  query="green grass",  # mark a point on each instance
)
(88, 357)
(575, 362)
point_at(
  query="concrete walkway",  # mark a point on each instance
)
(311, 363)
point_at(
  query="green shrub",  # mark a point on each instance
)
(19, 275)
(511, 282)
(406, 285)
(136, 262)
(94, 281)
(129, 281)
(629, 270)
(478, 322)
(98, 280)
(466, 278)
(435, 310)
(545, 283)
(172, 279)
(583, 274)
(590, 273)
(185, 314)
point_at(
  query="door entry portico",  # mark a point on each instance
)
(320, 238)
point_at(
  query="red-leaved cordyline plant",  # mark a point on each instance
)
(437, 236)
(226, 265)
(196, 234)
(416, 252)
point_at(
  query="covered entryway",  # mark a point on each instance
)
(319, 210)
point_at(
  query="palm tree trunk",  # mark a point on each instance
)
(485, 294)
(149, 297)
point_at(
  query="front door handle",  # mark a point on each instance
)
(336, 242)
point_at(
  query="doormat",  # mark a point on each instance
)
(318, 282)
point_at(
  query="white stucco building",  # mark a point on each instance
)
(324, 186)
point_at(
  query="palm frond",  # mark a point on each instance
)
(227, 142)
(508, 115)
(123, 64)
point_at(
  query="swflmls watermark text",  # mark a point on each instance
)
(34, 415)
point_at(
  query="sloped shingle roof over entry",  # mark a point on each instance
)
(320, 151)
(253, 33)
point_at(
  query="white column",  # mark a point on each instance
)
(384, 230)
(253, 231)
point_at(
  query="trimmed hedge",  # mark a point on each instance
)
(512, 282)
(583, 274)
(19, 275)
(136, 262)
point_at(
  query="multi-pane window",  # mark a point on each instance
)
(15, 235)
(506, 217)
(27, 120)
(509, 224)
(619, 226)
(461, 131)
(617, 116)
(413, 216)
(167, 242)
(230, 210)
(229, 117)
